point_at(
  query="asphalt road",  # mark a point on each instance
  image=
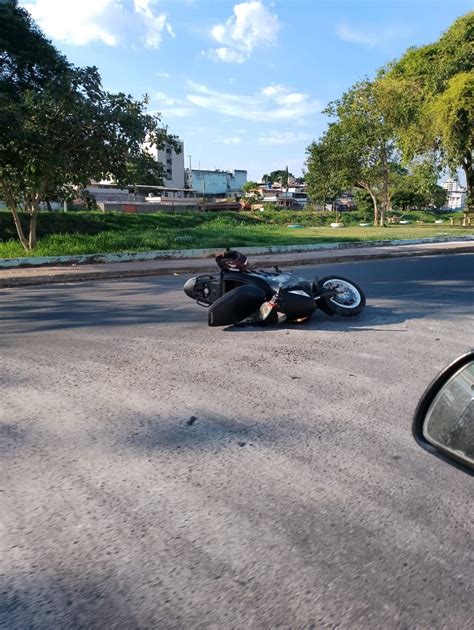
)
(158, 473)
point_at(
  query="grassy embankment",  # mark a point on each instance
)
(95, 232)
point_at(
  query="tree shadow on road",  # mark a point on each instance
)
(415, 300)
(45, 309)
(161, 301)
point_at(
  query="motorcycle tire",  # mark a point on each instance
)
(349, 303)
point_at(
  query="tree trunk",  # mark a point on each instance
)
(382, 213)
(385, 198)
(16, 219)
(32, 235)
(468, 167)
(374, 201)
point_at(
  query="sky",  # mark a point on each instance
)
(242, 83)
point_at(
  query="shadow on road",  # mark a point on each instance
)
(161, 301)
(65, 600)
(100, 305)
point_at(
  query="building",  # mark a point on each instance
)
(216, 183)
(173, 163)
(456, 198)
(179, 183)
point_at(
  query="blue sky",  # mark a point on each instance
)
(242, 83)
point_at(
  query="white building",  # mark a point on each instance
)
(173, 163)
(456, 198)
(216, 183)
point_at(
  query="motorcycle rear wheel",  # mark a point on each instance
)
(349, 301)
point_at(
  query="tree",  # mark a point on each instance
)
(430, 99)
(417, 186)
(327, 167)
(27, 59)
(281, 176)
(144, 170)
(59, 128)
(358, 150)
(250, 186)
(363, 202)
(452, 116)
(252, 194)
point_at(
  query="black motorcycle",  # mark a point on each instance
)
(241, 295)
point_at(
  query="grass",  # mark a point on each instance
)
(94, 232)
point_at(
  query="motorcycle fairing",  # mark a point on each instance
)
(235, 305)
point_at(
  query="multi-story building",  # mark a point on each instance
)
(173, 163)
(456, 198)
(178, 181)
(217, 183)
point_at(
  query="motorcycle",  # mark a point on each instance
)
(245, 296)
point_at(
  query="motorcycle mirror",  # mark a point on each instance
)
(444, 419)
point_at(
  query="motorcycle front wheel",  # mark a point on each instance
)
(348, 301)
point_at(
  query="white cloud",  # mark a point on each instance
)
(80, 22)
(371, 35)
(283, 137)
(162, 97)
(229, 140)
(163, 75)
(227, 55)
(251, 26)
(169, 107)
(176, 112)
(271, 103)
(155, 25)
(272, 90)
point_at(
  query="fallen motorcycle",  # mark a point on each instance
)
(241, 295)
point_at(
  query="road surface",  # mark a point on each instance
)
(158, 473)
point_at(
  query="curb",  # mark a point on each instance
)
(167, 254)
(68, 277)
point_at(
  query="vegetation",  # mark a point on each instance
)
(143, 169)
(390, 138)
(250, 187)
(97, 232)
(58, 127)
(357, 151)
(281, 177)
(430, 100)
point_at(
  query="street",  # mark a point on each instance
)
(158, 473)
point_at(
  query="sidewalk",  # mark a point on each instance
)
(28, 276)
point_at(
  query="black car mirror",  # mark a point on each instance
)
(444, 418)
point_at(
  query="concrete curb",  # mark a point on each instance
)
(78, 276)
(171, 254)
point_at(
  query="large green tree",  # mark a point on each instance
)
(418, 187)
(250, 186)
(144, 170)
(357, 151)
(58, 127)
(327, 166)
(281, 176)
(430, 99)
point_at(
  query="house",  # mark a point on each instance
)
(456, 198)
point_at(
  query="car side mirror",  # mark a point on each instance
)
(444, 418)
